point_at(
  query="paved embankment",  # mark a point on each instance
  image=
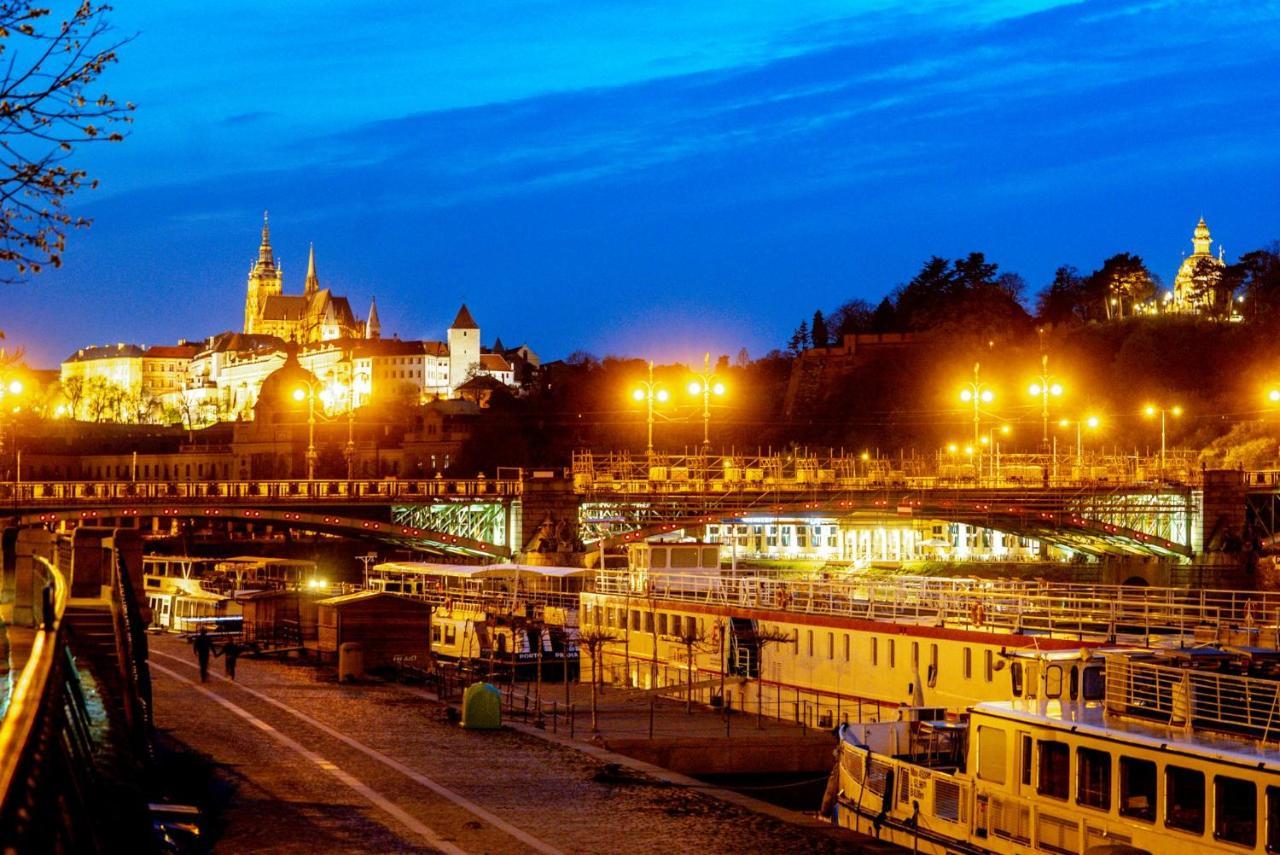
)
(312, 765)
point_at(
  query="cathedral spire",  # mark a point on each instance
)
(372, 326)
(266, 259)
(313, 281)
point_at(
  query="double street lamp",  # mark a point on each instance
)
(1151, 411)
(706, 385)
(1045, 388)
(308, 393)
(650, 393)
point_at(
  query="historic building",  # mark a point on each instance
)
(1196, 288)
(312, 316)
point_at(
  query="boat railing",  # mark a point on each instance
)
(1190, 698)
(1103, 612)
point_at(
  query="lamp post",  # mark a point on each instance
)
(10, 392)
(1090, 422)
(979, 394)
(990, 441)
(1151, 411)
(649, 392)
(706, 385)
(308, 393)
(1045, 388)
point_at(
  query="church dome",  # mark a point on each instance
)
(278, 389)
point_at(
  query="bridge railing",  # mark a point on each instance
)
(38, 493)
(665, 473)
(45, 748)
(1062, 609)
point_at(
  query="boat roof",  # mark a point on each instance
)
(262, 559)
(480, 571)
(1090, 718)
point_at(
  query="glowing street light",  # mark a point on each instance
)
(308, 393)
(977, 394)
(706, 385)
(1150, 411)
(1045, 388)
(1089, 422)
(649, 392)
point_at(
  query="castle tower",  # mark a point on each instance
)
(313, 281)
(464, 348)
(372, 326)
(265, 279)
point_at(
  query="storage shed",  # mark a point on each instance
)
(385, 625)
(280, 616)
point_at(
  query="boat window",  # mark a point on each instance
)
(991, 754)
(831, 645)
(1184, 799)
(989, 664)
(968, 663)
(915, 654)
(1093, 783)
(1015, 676)
(1095, 684)
(450, 634)
(846, 647)
(809, 636)
(435, 634)
(1055, 770)
(1235, 810)
(1053, 681)
(1273, 819)
(1075, 681)
(662, 624)
(648, 622)
(635, 620)
(1138, 788)
(892, 653)
(875, 650)
(1025, 771)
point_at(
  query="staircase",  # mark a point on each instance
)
(744, 648)
(93, 641)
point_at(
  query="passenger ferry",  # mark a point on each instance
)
(1179, 754)
(498, 616)
(182, 590)
(830, 650)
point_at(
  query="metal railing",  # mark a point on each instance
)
(45, 748)
(621, 472)
(1083, 611)
(1190, 698)
(57, 493)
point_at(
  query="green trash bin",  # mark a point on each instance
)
(481, 707)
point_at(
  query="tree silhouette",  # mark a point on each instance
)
(818, 331)
(594, 639)
(46, 110)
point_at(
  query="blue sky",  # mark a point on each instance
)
(652, 179)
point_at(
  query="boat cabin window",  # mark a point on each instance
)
(991, 754)
(846, 647)
(1138, 788)
(662, 624)
(1235, 810)
(635, 620)
(1273, 819)
(1095, 683)
(1184, 799)
(915, 654)
(1055, 770)
(1093, 784)
(892, 654)
(875, 650)
(1053, 681)
(989, 664)
(831, 645)
(809, 633)
(1015, 676)
(450, 634)
(1024, 759)
(1074, 690)
(435, 634)
(968, 663)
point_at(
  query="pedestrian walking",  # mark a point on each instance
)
(230, 653)
(203, 646)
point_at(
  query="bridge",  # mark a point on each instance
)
(1100, 505)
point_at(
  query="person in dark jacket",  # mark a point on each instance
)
(203, 646)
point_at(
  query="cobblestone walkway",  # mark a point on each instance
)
(310, 765)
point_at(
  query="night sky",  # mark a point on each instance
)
(651, 179)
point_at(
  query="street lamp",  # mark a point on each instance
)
(648, 392)
(1045, 388)
(10, 403)
(706, 385)
(1090, 422)
(979, 394)
(990, 441)
(308, 393)
(1151, 411)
